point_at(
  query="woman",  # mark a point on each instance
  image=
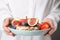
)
(46, 10)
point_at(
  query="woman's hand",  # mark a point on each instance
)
(6, 23)
(52, 28)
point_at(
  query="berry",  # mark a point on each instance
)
(12, 27)
(45, 26)
(24, 24)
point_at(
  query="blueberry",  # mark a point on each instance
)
(12, 27)
(24, 24)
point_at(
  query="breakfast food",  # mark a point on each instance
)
(29, 24)
(45, 26)
(32, 21)
(15, 22)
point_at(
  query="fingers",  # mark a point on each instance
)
(11, 34)
(5, 26)
(8, 31)
(52, 29)
(50, 32)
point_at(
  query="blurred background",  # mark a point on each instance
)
(56, 35)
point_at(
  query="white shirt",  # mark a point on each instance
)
(29, 8)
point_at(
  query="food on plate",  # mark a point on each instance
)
(16, 22)
(44, 26)
(29, 24)
(36, 28)
(13, 27)
(23, 20)
(39, 25)
(32, 21)
(31, 28)
(24, 24)
(22, 28)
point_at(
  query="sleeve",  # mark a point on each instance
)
(55, 15)
(4, 11)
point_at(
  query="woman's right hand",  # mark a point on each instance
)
(6, 23)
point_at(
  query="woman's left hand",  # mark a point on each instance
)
(52, 28)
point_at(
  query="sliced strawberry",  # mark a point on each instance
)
(45, 26)
(16, 22)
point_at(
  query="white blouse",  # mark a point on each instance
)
(29, 8)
